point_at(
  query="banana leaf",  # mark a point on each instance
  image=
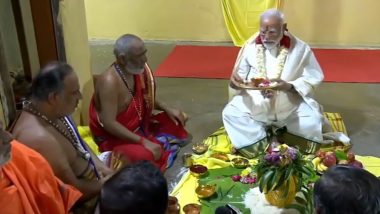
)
(228, 191)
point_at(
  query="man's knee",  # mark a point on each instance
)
(316, 120)
(135, 152)
(230, 111)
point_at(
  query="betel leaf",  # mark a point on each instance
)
(230, 192)
(281, 180)
(264, 180)
(287, 184)
(299, 208)
(301, 200)
(340, 155)
(289, 173)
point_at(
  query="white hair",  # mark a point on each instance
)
(124, 43)
(273, 13)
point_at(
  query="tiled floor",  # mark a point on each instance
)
(204, 99)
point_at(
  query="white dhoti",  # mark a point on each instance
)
(248, 114)
(245, 129)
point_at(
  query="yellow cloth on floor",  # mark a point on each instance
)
(184, 191)
(336, 122)
(85, 133)
(370, 163)
(219, 142)
(214, 163)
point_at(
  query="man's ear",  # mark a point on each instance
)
(285, 27)
(121, 59)
(52, 97)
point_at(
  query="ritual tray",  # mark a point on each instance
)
(248, 87)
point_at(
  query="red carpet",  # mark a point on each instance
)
(216, 62)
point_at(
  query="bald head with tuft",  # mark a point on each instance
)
(125, 44)
(273, 14)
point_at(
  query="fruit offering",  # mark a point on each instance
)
(262, 83)
(326, 159)
(246, 177)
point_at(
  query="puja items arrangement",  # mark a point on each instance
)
(246, 177)
(263, 83)
(198, 170)
(199, 148)
(192, 209)
(205, 191)
(220, 156)
(326, 159)
(259, 83)
(240, 163)
(281, 171)
(173, 206)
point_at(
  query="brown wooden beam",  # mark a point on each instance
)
(7, 87)
(21, 38)
(44, 30)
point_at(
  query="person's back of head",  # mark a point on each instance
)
(49, 80)
(136, 189)
(347, 190)
(56, 87)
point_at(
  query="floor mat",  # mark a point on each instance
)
(216, 62)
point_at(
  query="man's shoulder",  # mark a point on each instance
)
(108, 78)
(34, 134)
(298, 43)
(38, 139)
(249, 48)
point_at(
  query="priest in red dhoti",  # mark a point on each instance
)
(122, 109)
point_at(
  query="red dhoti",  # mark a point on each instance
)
(156, 128)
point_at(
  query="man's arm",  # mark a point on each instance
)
(108, 101)
(241, 69)
(176, 115)
(50, 149)
(311, 77)
(103, 169)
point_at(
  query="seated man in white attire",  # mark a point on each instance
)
(273, 54)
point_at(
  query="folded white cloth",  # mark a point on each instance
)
(336, 136)
(105, 157)
(256, 202)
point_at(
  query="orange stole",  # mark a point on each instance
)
(29, 186)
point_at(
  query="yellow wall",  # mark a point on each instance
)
(9, 35)
(189, 20)
(77, 50)
(335, 22)
(320, 22)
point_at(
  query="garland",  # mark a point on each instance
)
(281, 58)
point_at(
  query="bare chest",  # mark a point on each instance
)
(125, 95)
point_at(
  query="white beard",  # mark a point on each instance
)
(134, 70)
(270, 46)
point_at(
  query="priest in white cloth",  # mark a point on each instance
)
(294, 73)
